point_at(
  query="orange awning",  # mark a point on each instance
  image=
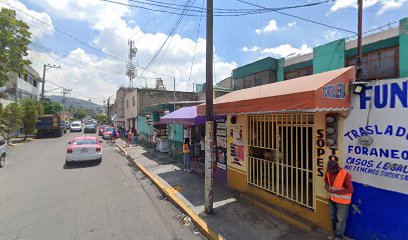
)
(318, 92)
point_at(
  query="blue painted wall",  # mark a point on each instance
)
(378, 214)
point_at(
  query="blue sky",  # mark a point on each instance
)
(237, 40)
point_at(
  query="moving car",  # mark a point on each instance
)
(50, 125)
(107, 133)
(84, 148)
(90, 128)
(76, 127)
(3, 151)
(101, 129)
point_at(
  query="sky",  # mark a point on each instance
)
(89, 38)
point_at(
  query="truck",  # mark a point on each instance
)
(50, 125)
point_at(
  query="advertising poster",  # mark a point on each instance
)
(237, 145)
(222, 145)
(375, 147)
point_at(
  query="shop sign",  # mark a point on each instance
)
(335, 91)
(384, 162)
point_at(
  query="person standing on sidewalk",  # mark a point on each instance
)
(339, 190)
(187, 155)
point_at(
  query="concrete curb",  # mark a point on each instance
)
(171, 193)
(122, 150)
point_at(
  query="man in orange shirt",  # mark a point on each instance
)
(339, 190)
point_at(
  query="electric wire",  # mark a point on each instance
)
(163, 7)
(301, 18)
(195, 49)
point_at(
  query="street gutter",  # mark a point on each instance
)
(171, 194)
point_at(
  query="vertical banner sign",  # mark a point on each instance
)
(379, 113)
(222, 145)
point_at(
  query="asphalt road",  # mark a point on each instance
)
(42, 199)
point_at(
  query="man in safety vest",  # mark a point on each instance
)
(339, 190)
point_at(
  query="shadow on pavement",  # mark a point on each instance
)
(87, 164)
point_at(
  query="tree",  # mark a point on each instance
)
(12, 119)
(100, 118)
(14, 39)
(79, 113)
(31, 109)
(51, 107)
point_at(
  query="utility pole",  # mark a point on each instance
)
(359, 47)
(46, 67)
(108, 110)
(130, 67)
(65, 91)
(209, 124)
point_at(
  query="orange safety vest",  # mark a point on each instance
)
(186, 148)
(338, 185)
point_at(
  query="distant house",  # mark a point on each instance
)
(21, 86)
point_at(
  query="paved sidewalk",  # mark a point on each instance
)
(232, 218)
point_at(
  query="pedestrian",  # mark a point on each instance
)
(114, 133)
(136, 134)
(202, 147)
(128, 138)
(339, 190)
(187, 155)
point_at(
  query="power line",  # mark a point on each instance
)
(301, 18)
(218, 12)
(168, 37)
(65, 33)
(40, 46)
(195, 48)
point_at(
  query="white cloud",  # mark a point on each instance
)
(285, 50)
(291, 24)
(252, 49)
(331, 35)
(390, 4)
(385, 4)
(112, 36)
(37, 28)
(270, 27)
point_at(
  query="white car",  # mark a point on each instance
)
(76, 127)
(3, 151)
(84, 148)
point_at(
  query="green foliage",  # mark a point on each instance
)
(14, 39)
(100, 118)
(12, 119)
(79, 113)
(51, 107)
(31, 109)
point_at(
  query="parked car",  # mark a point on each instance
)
(3, 151)
(90, 128)
(107, 133)
(76, 127)
(101, 129)
(84, 148)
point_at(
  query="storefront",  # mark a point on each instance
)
(277, 143)
(185, 122)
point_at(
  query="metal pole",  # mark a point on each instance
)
(43, 83)
(359, 48)
(174, 94)
(108, 111)
(209, 128)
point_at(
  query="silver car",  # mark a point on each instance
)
(3, 151)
